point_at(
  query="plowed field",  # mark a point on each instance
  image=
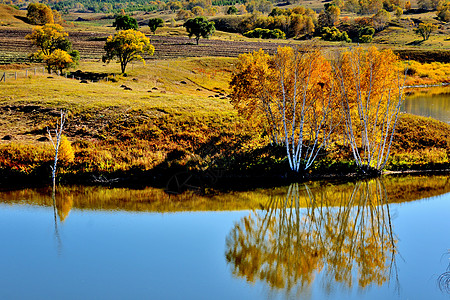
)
(14, 47)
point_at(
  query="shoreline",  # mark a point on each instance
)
(427, 85)
(177, 181)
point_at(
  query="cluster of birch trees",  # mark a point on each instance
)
(308, 101)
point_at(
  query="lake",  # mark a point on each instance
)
(376, 239)
(431, 102)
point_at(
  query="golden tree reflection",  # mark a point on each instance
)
(63, 203)
(343, 234)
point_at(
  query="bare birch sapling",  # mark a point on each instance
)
(56, 142)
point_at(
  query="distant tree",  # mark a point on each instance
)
(183, 14)
(407, 5)
(174, 5)
(199, 27)
(198, 11)
(398, 11)
(154, 23)
(124, 22)
(212, 11)
(57, 19)
(54, 47)
(126, 46)
(380, 19)
(366, 34)
(352, 6)
(329, 17)
(425, 30)
(265, 34)
(370, 6)
(49, 38)
(232, 10)
(444, 11)
(333, 34)
(242, 9)
(428, 4)
(276, 11)
(39, 14)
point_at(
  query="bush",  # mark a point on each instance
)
(265, 34)
(366, 39)
(232, 10)
(333, 34)
(228, 23)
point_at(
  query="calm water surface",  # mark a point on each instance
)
(432, 102)
(377, 239)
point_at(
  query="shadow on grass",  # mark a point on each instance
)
(23, 19)
(415, 43)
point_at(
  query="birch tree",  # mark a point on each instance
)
(293, 94)
(370, 95)
(56, 142)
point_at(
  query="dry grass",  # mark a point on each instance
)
(177, 105)
(11, 17)
(427, 73)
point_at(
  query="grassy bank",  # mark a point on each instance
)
(175, 119)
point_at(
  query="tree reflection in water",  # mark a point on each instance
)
(344, 234)
(62, 204)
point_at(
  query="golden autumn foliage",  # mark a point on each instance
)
(66, 152)
(425, 30)
(299, 98)
(371, 93)
(344, 234)
(48, 37)
(58, 60)
(126, 46)
(39, 14)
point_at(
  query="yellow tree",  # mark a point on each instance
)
(425, 30)
(370, 95)
(126, 46)
(39, 14)
(58, 60)
(54, 47)
(48, 38)
(293, 95)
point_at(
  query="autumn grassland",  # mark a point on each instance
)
(171, 114)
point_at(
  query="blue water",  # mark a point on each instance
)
(98, 254)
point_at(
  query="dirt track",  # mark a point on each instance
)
(14, 47)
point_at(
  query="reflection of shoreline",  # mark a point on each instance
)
(343, 238)
(399, 189)
(433, 103)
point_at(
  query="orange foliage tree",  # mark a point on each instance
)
(292, 95)
(370, 95)
(39, 14)
(299, 98)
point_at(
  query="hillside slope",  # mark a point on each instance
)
(9, 16)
